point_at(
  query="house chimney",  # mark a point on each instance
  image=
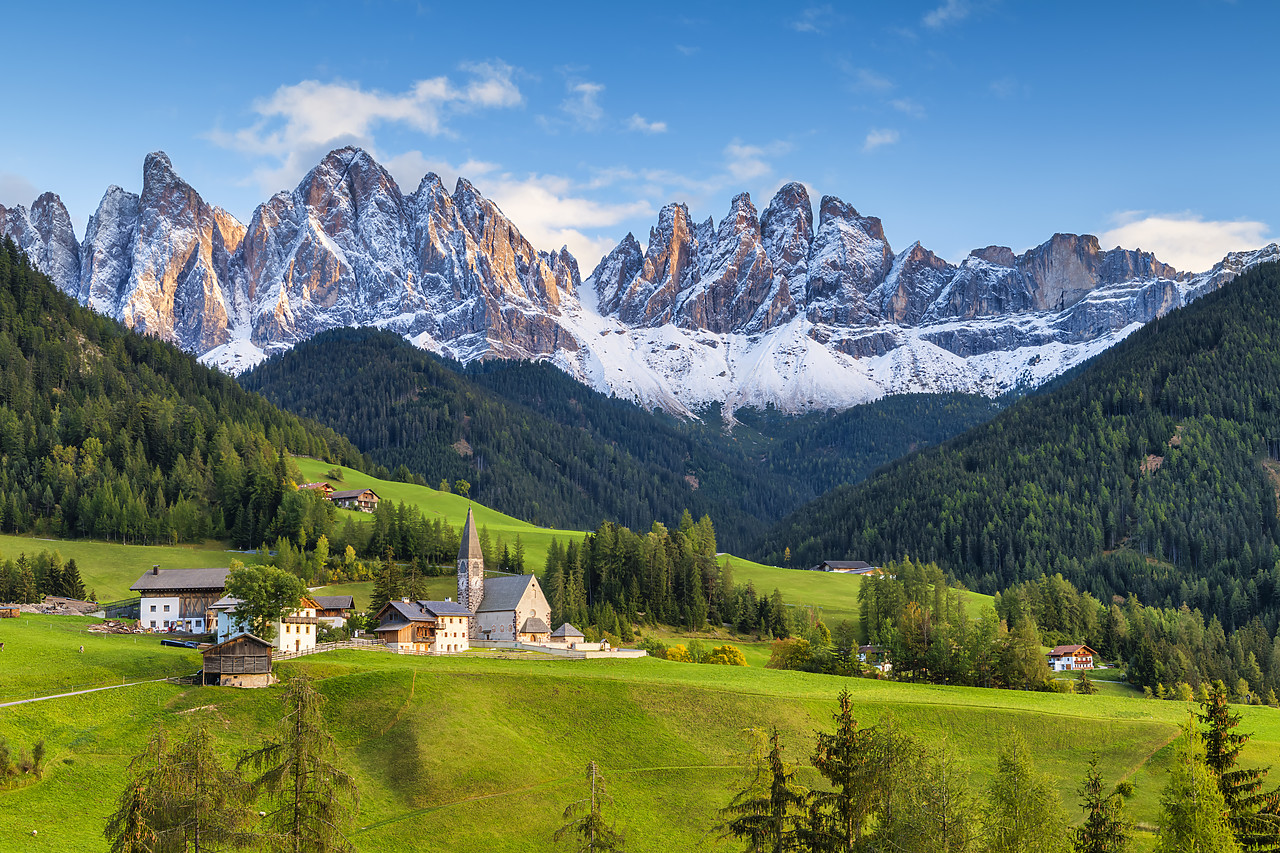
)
(155, 570)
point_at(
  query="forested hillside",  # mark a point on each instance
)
(106, 433)
(1145, 473)
(534, 443)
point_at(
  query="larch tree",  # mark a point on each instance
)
(1193, 817)
(1022, 812)
(311, 797)
(587, 827)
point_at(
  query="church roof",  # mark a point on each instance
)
(504, 593)
(534, 625)
(470, 539)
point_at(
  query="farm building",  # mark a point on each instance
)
(321, 487)
(1069, 658)
(242, 661)
(10, 612)
(424, 626)
(364, 500)
(294, 633)
(180, 599)
(334, 610)
(848, 567)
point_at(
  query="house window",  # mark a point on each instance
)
(166, 608)
(153, 610)
(153, 622)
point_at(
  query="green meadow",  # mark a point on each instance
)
(478, 754)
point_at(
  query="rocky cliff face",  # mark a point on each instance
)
(758, 309)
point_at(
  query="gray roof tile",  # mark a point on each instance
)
(504, 593)
(167, 579)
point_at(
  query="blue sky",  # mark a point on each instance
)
(960, 123)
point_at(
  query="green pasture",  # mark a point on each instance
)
(479, 754)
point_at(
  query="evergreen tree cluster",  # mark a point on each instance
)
(1142, 473)
(532, 442)
(115, 435)
(27, 580)
(617, 578)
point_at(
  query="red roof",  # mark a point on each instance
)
(1064, 651)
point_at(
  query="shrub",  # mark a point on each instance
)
(726, 655)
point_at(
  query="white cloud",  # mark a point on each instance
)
(814, 19)
(879, 137)
(1007, 88)
(15, 190)
(687, 50)
(410, 167)
(951, 12)
(583, 104)
(866, 80)
(908, 107)
(550, 212)
(637, 122)
(745, 162)
(1185, 240)
(298, 123)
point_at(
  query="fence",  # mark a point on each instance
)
(368, 645)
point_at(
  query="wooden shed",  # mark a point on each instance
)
(9, 612)
(242, 661)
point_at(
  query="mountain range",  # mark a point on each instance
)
(779, 308)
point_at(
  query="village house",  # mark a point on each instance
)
(180, 599)
(334, 610)
(294, 633)
(424, 626)
(875, 657)
(364, 500)
(1070, 658)
(321, 487)
(241, 661)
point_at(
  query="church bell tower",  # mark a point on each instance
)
(471, 571)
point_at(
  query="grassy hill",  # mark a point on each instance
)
(478, 754)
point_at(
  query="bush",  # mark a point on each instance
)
(679, 653)
(790, 654)
(726, 655)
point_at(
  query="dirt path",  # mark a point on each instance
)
(80, 692)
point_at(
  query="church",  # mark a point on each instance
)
(508, 608)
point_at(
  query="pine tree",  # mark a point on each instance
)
(1104, 829)
(311, 796)
(1254, 814)
(72, 581)
(586, 819)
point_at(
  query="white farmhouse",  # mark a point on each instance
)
(294, 633)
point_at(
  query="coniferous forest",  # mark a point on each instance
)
(111, 434)
(537, 444)
(1144, 473)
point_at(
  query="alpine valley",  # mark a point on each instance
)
(760, 309)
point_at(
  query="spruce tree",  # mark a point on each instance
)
(846, 758)
(765, 813)
(311, 797)
(1104, 829)
(72, 581)
(1254, 814)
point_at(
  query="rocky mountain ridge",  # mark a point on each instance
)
(758, 309)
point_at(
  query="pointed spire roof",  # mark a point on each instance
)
(470, 539)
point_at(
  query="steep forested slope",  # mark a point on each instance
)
(537, 444)
(107, 433)
(1144, 473)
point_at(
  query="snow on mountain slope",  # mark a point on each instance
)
(779, 308)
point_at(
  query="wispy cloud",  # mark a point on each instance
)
(814, 19)
(15, 189)
(687, 50)
(1008, 88)
(865, 79)
(582, 106)
(745, 162)
(908, 107)
(880, 137)
(1185, 240)
(298, 123)
(638, 123)
(950, 12)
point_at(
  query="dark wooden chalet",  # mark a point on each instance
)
(365, 500)
(242, 661)
(180, 599)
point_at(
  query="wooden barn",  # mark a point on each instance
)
(180, 599)
(242, 661)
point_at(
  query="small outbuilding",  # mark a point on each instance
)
(242, 661)
(534, 630)
(566, 635)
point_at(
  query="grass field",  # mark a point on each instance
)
(484, 754)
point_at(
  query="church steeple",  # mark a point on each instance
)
(470, 568)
